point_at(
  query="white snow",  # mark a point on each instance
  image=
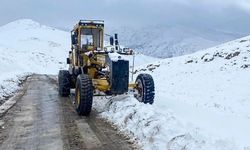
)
(115, 57)
(202, 99)
(32, 47)
(202, 102)
(27, 47)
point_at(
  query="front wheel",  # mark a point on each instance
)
(145, 88)
(83, 95)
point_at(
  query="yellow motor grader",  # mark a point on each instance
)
(95, 70)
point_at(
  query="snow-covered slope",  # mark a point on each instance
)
(202, 102)
(28, 47)
(170, 41)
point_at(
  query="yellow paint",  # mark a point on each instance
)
(92, 72)
(132, 85)
(101, 84)
(78, 96)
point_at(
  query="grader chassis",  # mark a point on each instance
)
(96, 70)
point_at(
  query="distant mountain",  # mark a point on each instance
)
(169, 41)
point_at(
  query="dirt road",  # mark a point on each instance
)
(42, 120)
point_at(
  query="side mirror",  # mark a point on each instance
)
(111, 40)
(68, 61)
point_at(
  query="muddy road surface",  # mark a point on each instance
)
(42, 120)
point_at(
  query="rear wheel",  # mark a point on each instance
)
(146, 88)
(64, 81)
(83, 95)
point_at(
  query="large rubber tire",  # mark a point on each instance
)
(64, 81)
(146, 88)
(83, 95)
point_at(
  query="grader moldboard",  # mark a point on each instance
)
(95, 70)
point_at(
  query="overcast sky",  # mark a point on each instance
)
(229, 15)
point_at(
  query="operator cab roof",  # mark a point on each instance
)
(87, 23)
(98, 23)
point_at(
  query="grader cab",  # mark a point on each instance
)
(96, 71)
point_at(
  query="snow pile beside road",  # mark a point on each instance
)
(202, 101)
(154, 129)
(9, 86)
(143, 123)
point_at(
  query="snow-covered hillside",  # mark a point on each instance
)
(170, 41)
(29, 47)
(202, 102)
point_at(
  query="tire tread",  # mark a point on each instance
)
(64, 83)
(149, 88)
(86, 92)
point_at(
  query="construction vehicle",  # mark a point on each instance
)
(96, 71)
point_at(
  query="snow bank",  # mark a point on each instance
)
(9, 86)
(154, 129)
(202, 102)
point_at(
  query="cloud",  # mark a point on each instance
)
(194, 13)
(245, 4)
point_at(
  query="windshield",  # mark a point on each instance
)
(87, 39)
(91, 37)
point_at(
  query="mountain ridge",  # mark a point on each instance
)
(170, 41)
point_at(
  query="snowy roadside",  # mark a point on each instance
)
(9, 87)
(152, 129)
(36, 49)
(202, 102)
